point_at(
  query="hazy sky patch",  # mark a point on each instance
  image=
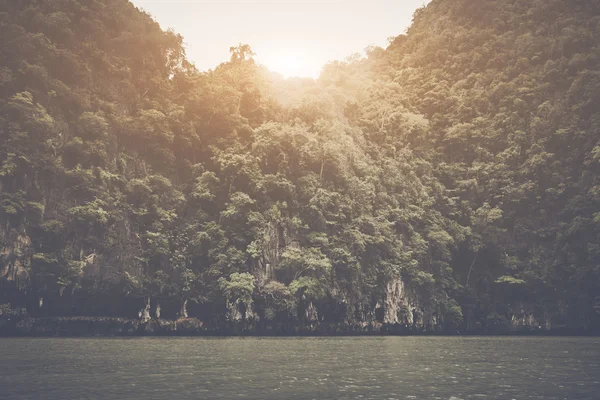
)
(291, 36)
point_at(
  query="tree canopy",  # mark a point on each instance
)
(451, 179)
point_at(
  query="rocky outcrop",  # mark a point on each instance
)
(15, 257)
(238, 311)
(525, 319)
(157, 311)
(144, 313)
(395, 301)
(183, 313)
(311, 313)
(278, 236)
(402, 307)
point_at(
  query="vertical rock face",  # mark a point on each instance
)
(402, 306)
(277, 238)
(15, 255)
(394, 298)
(238, 311)
(145, 312)
(183, 312)
(271, 250)
(525, 318)
(311, 312)
(233, 311)
(250, 314)
(19, 246)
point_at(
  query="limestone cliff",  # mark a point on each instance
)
(403, 306)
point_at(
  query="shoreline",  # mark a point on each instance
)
(190, 327)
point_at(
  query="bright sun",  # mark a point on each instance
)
(291, 65)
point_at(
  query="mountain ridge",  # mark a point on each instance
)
(446, 183)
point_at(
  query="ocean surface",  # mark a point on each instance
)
(301, 368)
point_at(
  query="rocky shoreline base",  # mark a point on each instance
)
(100, 326)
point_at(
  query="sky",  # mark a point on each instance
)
(292, 37)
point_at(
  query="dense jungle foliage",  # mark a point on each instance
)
(448, 182)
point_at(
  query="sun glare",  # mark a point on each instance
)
(290, 66)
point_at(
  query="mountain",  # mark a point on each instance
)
(448, 183)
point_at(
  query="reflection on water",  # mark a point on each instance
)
(301, 368)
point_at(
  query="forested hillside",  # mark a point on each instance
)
(450, 182)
